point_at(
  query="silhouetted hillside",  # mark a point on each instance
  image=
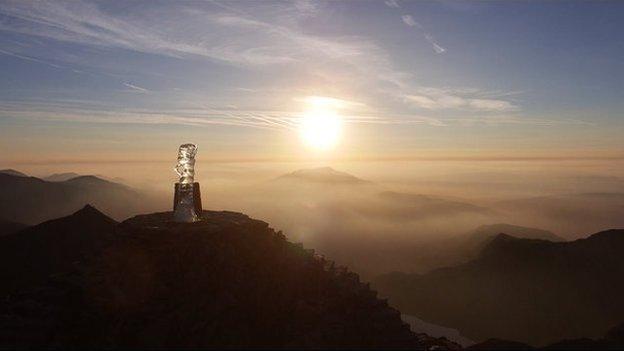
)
(562, 212)
(28, 257)
(516, 231)
(61, 177)
(32, 200)
(613, 340)
(8, 227)
(228, 281)
(13, 172)
(470, 245)
(323, 175)
(532, 291)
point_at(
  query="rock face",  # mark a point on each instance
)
(531, 291)
(227, 281)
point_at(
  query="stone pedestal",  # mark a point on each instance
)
(197, 204)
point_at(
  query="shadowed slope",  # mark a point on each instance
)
(9, 227)
(531, 291)
(613, 340)
(28, 257)
(228, 281)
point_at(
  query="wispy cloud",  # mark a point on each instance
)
(135, 88)
(411, 22)
(251, 39)
(248, 41)
(471, 100)
(265, 34)
(436, 47)
(274, 120)
(392, 3)
(27, 58)
(351, 112)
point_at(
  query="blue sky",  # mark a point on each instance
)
(410, 78)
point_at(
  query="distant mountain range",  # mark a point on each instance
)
(322, 175)
(13, 172)
(492, 230)
(562, 212)
(61, 177)
(468, 246)
(527, 290)
(31, 200)
(228, 281)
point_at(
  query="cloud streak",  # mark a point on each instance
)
(27, 58)
(392, 3)
(446, 99)
(249, 41)
(270, 120)
(268, 38)
(135, 88)
(204, 115)
(409, 21)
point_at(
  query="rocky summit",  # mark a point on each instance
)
(226, 281)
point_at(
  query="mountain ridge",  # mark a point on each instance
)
(13, 172)
(228, 281)
(529, 290)
(32, 200)
(60, 177)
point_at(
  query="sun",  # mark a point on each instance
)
(320, 125)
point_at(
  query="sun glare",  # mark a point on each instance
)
(320, 125)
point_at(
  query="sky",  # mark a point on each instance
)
(127, 81)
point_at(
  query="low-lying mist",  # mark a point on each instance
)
(404, 216)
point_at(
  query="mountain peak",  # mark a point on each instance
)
(61, 177)
(516, 231)
(86, 179)
(31, 255)
(502, 238)
(89, 210)
(88, 217)
(326, 175)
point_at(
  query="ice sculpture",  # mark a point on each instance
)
(187, 197)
